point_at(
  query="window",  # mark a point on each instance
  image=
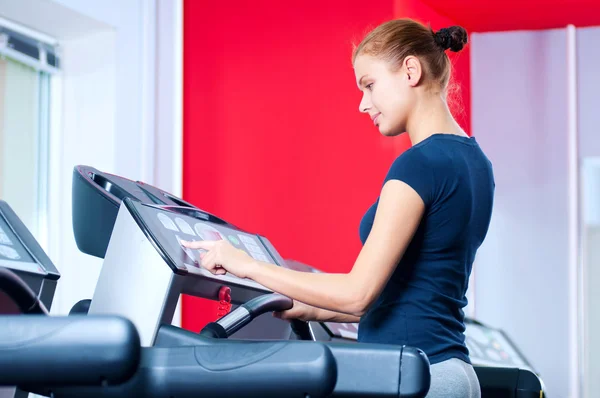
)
(26, 69)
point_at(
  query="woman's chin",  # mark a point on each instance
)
(387, 132)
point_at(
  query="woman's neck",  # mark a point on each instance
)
(432, 116)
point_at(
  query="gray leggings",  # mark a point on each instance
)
(453, 378)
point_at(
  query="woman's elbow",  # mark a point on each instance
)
(358, 306)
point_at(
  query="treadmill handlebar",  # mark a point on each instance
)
(268, 303)
(224, 369)
(69, 350)
(244, 314)
(25, 298)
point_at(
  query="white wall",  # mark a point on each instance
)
(85, 134)
(148, 84)
(100, 113)
(589, 120)
(520, 118)
(132, 55)
(591, 275)
(168, 146)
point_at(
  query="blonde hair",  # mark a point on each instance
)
(393, 41)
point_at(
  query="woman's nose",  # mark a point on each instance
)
(364, 104)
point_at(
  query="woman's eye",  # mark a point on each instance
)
(369, 86)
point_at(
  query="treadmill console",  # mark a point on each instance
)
(21, 254)
(348, 331)
(13, 254)
(19, 251)
(166, 226)
(492, 347)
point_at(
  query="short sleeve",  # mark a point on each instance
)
(412, 168)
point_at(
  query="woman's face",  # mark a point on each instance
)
(388, 96)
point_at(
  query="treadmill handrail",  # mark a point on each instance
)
(268, 303)
(226, 369)
(67, 350)
(244, 314)
(25, 298)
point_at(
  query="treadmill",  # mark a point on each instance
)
(36, 349)
(146, 269)
(502, 369)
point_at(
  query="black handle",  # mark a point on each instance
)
(244, 314)
(60, 350)
(21, 293)
(268, 303)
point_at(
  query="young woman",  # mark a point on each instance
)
(421, 235)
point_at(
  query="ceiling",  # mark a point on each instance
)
(51, 18)
(496, 15)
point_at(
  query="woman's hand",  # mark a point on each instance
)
(220, 257)
(299, 310)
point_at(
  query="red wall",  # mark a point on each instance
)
(273, 140)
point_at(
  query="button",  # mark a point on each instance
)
(4, 238)
(254, 249)
(9, 253)
(167, 222)
(246, 239)
(234, 240)
(207, 232)
(184, 226)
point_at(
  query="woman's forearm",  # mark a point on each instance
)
(333, 316)
(335, 292)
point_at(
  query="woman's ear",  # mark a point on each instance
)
(412, 69)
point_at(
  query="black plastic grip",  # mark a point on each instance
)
(224, 369)
(74, 350)
(214, 331)
(268, 303)
(246, 313)
(415, 371)
(513, 382)
(380, 370)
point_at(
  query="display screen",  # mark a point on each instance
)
(489, 347)
(171, 228)
(12, 252)
(344, 330)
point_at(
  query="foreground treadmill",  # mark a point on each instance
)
(36, 349)
(146, 269)
(502, 370)
(101, 357)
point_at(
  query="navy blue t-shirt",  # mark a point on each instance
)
(422, 304)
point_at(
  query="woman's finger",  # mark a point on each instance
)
(208, 262)
(199, 244)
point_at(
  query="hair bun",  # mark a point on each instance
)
(453, 38)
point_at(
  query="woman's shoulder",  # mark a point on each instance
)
(421, 156)
(439, 151)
